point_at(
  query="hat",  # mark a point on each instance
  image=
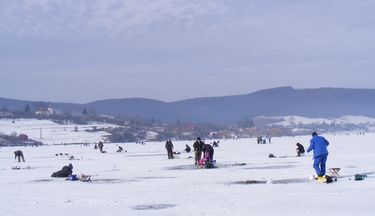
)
(70, 166)
(198, 138)
(314, 134)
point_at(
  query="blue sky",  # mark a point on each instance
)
(85, 50)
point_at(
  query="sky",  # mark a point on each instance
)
(86, 50)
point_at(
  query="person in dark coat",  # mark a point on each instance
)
(187, 148)
(64, 172)
(198, 145)
(100, 145)
(215, 144)
(208, 152)
(169, 147)
(19, 154)
(300, 149)
(120, 149)
(319, 144)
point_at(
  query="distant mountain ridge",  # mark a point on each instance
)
(282, 101)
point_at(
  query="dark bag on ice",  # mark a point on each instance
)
(329, 179)
(359, 177)
(209, 165)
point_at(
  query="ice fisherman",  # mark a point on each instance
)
(187, 148)
(198, 145)
(19, 154)
(64, 172)
(319, 145)
(215, 144)
(120, 149)
(300, 149)
(100, 145)
(208, 152)
(169, 147)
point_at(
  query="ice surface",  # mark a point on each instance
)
(143, 181)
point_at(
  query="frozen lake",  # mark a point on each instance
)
(143, 181)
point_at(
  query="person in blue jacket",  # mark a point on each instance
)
(319, 145)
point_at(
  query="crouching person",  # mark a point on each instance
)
(300, 150)
(208, 152)
(208, 156)
(187, 148)
(64, 172)
(120, 149)
(19, 154)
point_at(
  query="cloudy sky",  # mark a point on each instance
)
(85, 50)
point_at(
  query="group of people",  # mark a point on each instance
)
(262, 140)
(100, 146)
(199, 148)
(207, 150)
(318, 145)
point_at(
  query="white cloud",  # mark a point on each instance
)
(114, 17)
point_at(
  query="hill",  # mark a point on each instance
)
(283, 101)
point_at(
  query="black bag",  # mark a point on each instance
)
(209, 165)
(330, 179)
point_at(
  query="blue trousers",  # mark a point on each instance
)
(320, 165)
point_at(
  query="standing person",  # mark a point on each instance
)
(300, 149)
(198, 146)
(319, 145)
(19, 154)
(169, 147)
(100, 145)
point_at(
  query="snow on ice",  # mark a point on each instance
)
(142, 181)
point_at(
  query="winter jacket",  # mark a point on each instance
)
(169, 145)
(208, 151)
(208, 148)
(64, 172)
(300, 148)
(198, 145)
(319, 145)
(187, 149)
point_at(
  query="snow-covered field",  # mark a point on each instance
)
(143, 181)
(287, 121)
(50, 133)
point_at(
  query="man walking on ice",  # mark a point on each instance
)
(319, 145)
